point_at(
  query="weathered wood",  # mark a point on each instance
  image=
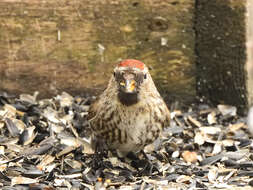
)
(249, 46)
(59, 45)
(223, 35)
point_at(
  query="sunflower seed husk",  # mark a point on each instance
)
(45, 144)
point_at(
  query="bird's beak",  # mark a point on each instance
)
(128, 85)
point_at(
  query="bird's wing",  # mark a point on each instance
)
(93, 109)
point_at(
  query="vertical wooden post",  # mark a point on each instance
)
(223, 51)
(249, 45)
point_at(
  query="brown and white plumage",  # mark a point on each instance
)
(130, 113)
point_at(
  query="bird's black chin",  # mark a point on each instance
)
(128, 99)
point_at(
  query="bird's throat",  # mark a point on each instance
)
(128, 99)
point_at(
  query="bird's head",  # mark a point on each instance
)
(130, 75)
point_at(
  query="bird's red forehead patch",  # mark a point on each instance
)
(131, 63)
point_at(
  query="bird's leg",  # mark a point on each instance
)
(99, 145)
(99, 153)
(149, 166)
(132, 156)
(143, 165)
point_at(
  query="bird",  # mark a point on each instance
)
(130, 113)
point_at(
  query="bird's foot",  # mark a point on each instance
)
(144, 165)
(148, 168)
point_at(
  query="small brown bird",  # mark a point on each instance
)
(130, 113)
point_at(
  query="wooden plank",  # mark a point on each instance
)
(59, 45)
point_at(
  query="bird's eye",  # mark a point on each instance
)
(145, 76)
